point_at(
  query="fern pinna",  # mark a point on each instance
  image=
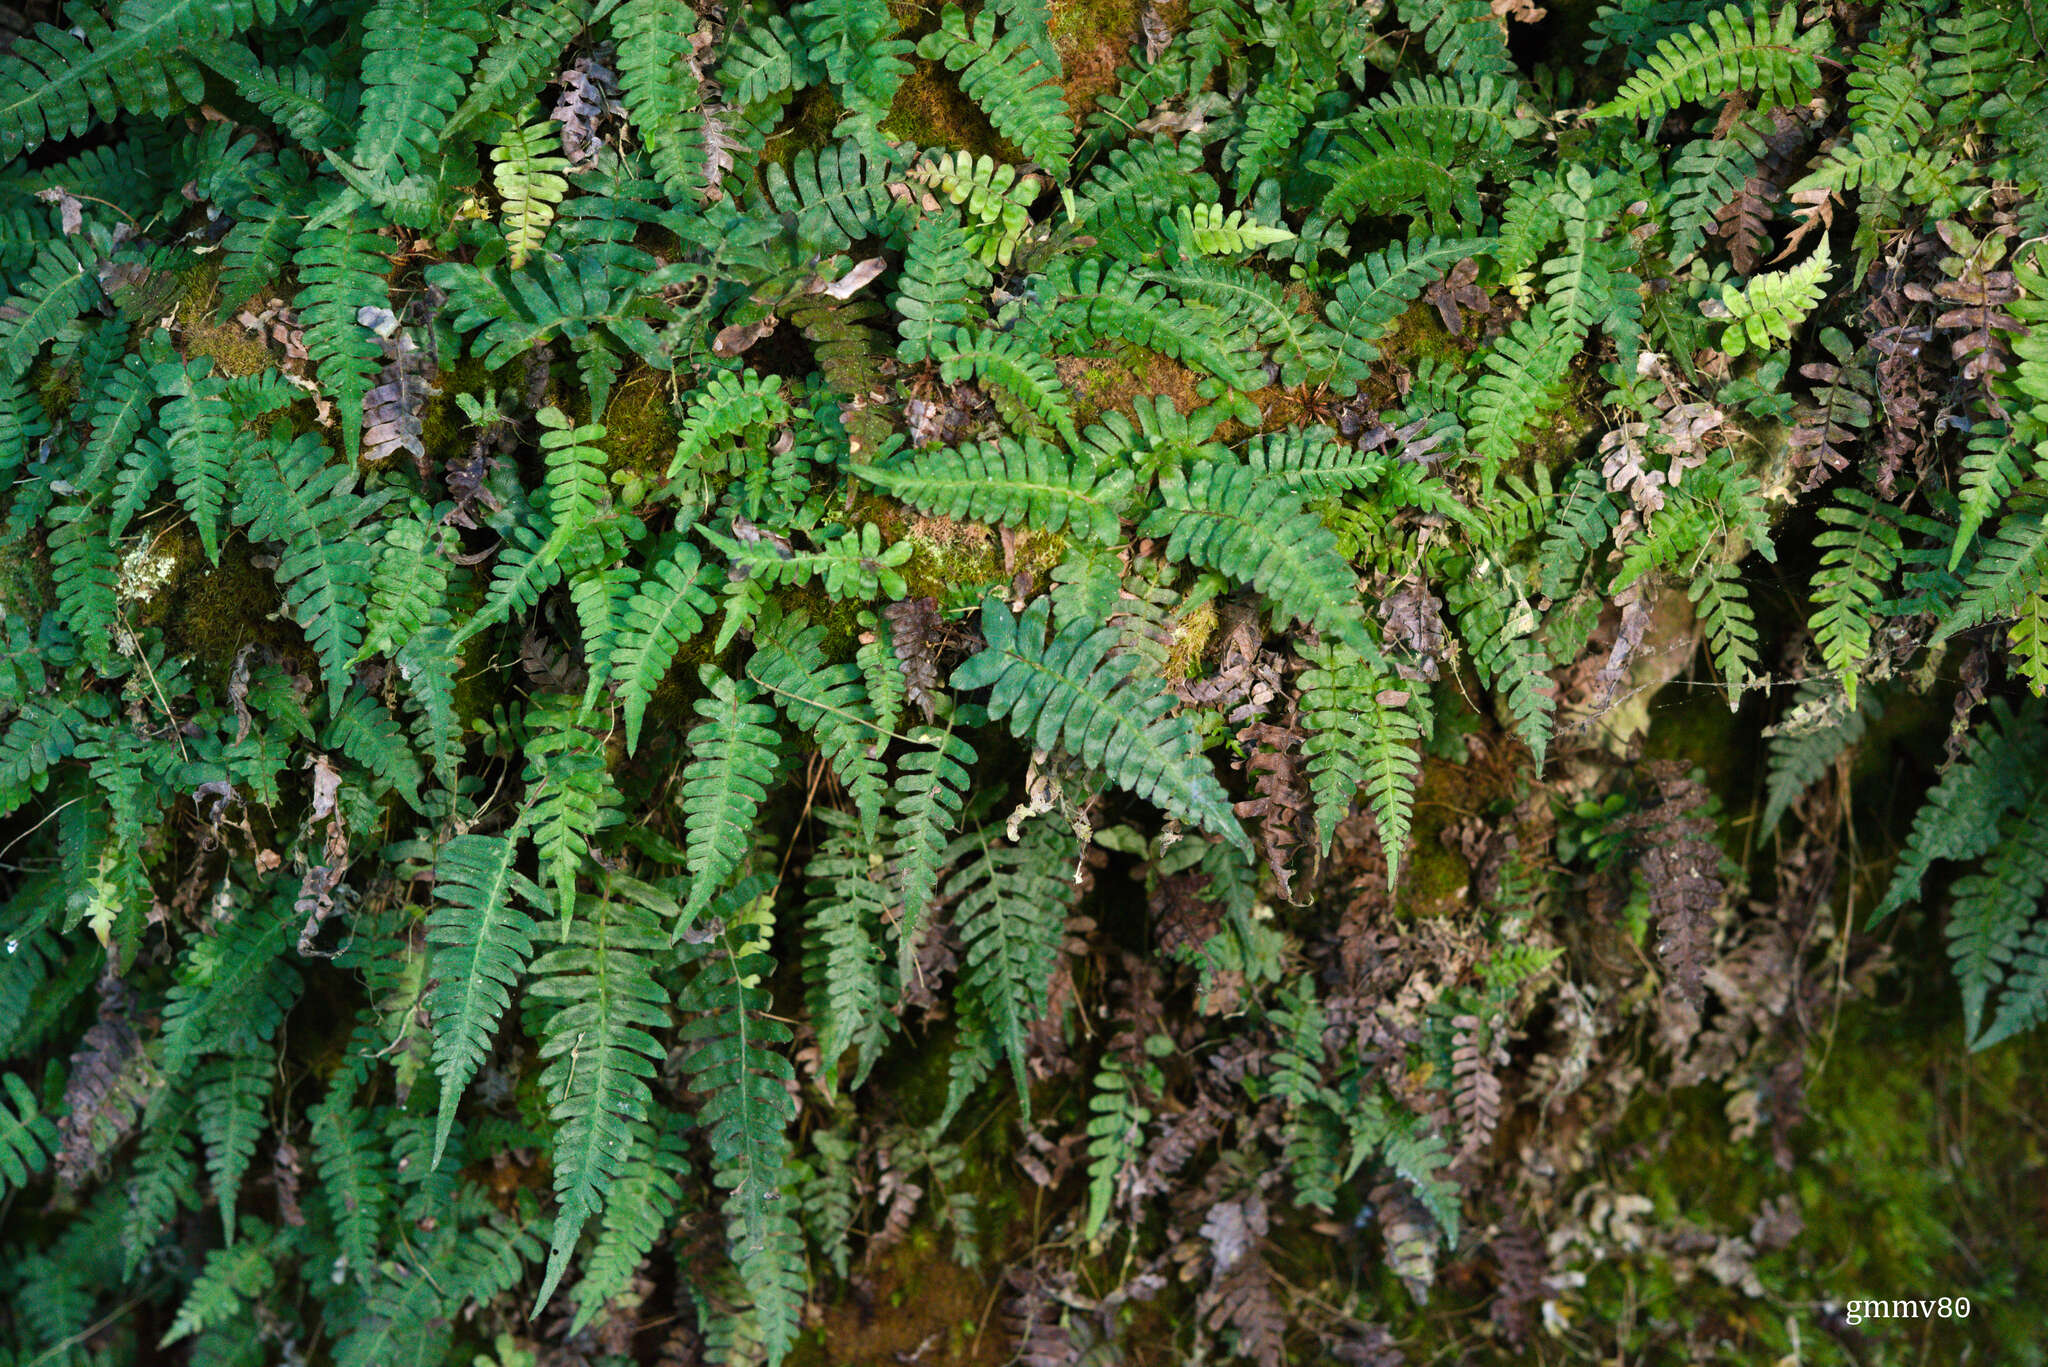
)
(1130, 558)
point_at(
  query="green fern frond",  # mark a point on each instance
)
(1377, 290)
(855, 41)
(1230, 520)
(600, 1056)
(1772, 306)
(1115, 1141)
(1069, 692)
(1859, 554)
(1026, 387)
(416, 54)
(341, 272)
(2000, 771)
(733, 1062)
(232, 1091)
(1463, 37)
(930, 790)
(670, 607)
(1009, 482)
(829, 702)
(482, 938)
(27, 1136)
(732, 763)
(847, 973)
(1362, 736)
(291, 495)
(570, 792)
(528, 179)
(1010, 903)
(1733, 50)
(941, 287)
(837, 195)
(1007, 77)
(1523, 374)
(1994, 912)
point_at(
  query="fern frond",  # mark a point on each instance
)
(416, 54)
(847, 974)
(1523, 373)
(829, 701)
(482, 938)
(1733, 50)
(1026, 387)
(731, 1058)
(341, 272)
(1772, 306)
(1069, 692)
(1011, 83)
(600, 1056)
(232, 1091)
(1010, 903)
(1859, 554)
(732, 762)
(1229, 519)
(1377, 290)
(1115, 1141)
(1993, 912)
(1361, 738)
(1009, 482)
(670, 606)
(291, 495)
(930, 790)
(529, 182)
(570, 792)
(27, 1137)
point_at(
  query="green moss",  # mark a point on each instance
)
(215, 610)
(806, 126)
(640, 432)
(955, 562)
(930, 111)
(233, 349)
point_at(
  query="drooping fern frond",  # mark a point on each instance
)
(1069, 692)
(482, 938)
(828, 701)
(731, 1058)
(2000, 771)
(671, 605)
(732, 763)
(341, 272)
(1115, 1135)
(848, 976)
(1523, 373)
(1252, 529)
(570, 792)
(1859, 554)
(1010, 903)
(1361, 739)
(600, 1057)
(928, 795)
(291, 495)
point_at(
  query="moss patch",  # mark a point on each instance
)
(215, 610)
(930, 111)
(1093, 39)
